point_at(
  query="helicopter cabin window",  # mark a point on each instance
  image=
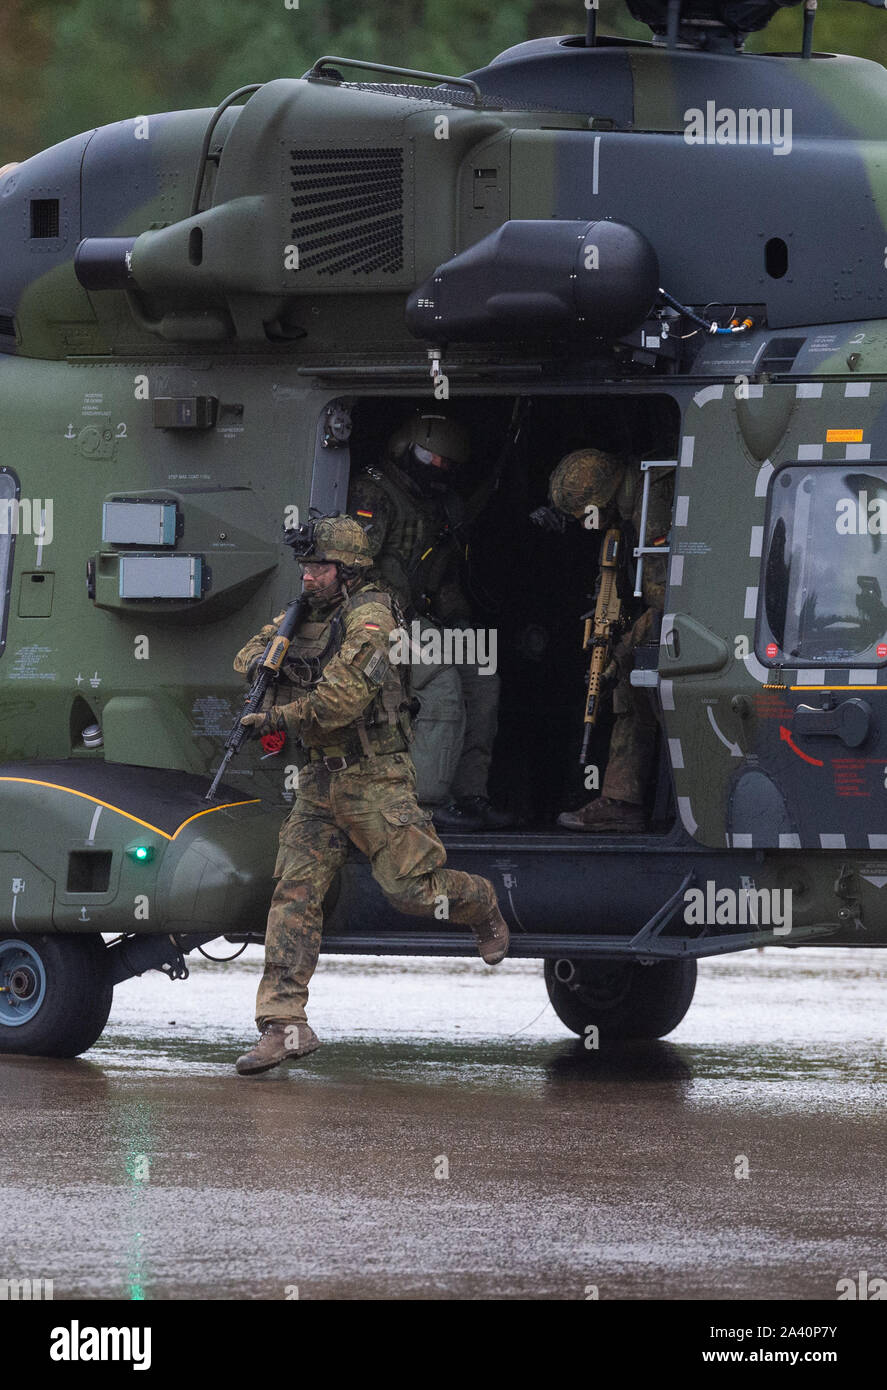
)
(8, 527)
(825, 567)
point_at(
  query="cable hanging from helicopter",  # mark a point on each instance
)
(708, 324)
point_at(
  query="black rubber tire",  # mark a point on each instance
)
(77, 1001)
(622, 998)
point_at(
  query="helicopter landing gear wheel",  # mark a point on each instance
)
(622, 998)
(55, 994)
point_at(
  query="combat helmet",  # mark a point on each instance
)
(587, 476)
(334, 539)
(430, 447)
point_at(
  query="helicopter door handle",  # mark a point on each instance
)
(850, 721)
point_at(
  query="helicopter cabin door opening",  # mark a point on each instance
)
(529, 586)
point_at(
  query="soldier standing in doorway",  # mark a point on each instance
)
(414, 520)
(612, 486)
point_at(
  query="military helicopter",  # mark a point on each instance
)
(209, 319)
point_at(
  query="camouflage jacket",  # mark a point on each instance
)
(413, 543)
(358, 686)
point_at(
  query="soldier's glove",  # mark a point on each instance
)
(622, 659)
(267, 632)
(549, 518)
(622, 662)
(610, 673)
(645, 628)
(269, 721)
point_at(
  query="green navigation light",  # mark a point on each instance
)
(142, 854)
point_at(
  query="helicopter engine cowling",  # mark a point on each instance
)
(540, 279)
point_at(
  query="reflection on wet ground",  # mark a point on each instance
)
(452, 1139)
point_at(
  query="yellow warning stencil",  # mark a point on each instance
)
(843, 436)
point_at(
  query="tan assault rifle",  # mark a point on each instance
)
(601, 627)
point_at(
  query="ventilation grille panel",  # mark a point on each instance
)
(44, 217)
(441, 95)
(348, 210)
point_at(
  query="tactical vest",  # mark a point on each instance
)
(384, 726)
(419, 574)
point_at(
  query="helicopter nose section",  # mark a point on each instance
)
(104, 847)
(220, 878)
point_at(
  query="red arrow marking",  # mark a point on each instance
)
(787, 738)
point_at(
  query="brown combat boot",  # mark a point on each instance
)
(492, 937)
(279, 1042)
(605, 817)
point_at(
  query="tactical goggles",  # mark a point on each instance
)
(422, 455)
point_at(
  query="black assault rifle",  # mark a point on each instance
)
(267, 671)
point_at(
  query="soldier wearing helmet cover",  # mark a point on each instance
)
(415, 521)
(346, 710)
(584, 481)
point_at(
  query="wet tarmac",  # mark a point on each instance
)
(453, 1140)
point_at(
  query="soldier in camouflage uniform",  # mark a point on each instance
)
(413, 517)
(349, 716)
(589, 479)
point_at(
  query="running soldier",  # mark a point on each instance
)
(349, 719)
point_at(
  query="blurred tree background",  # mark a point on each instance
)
(68, 65)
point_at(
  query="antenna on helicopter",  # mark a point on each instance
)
(674, 22)
(809, 21)
(591, 22)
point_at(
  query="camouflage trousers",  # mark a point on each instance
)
(480, 694)
(480, 702)
(632, 745)
(633, 740)
(372, 804)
